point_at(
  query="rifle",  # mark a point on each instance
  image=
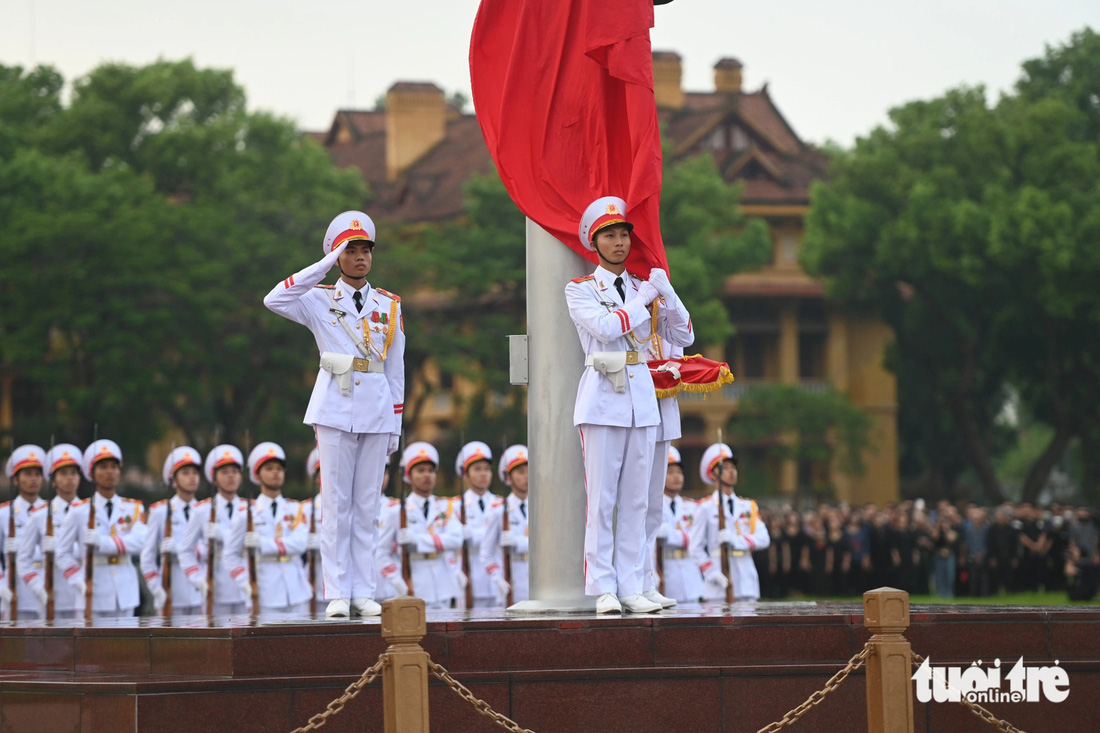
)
(211, 548)
(89, 560)
(726, 548)
(313, 555)
(506, 560)
(12, 580)
(48, 564)
(406, 568)
(166, 562)
(252, 580)
(466, 554)
(659, 565)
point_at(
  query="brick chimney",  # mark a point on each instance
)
(667, 72)
(727, 76)
(416, 120)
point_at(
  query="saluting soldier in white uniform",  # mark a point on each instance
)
(512, 470)
(232, 596)
(278, 538)
(24, 470)
(433, 529)
(681, 536)
(616, 409)
(181, 472)
(356, 404)
(63, 465)
(745, 531)
(118, 536)
(313, 512)
(474, 465)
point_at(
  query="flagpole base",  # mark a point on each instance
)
(582, 605)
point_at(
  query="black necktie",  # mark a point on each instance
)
(358, 298)
(229, 510)
(481, 504)
(729, 502)
(273, 509)
(523, 509)
(619, 287)
(187, 512)
(672, 507)
(109, 507)
(425, 508)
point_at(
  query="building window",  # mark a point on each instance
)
(811, 356)
(753, 355)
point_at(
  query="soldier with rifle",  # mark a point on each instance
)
(474, 466)
(504, 550)
(24, 471)
(172, 593)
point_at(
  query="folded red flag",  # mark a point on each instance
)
(563, 90)
(688, 374)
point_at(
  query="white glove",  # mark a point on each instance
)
(502, 585)
(213, 532)
(11, 546)
(662, 532)
(160, 597)
(79, 588)
(647, 293)
(715, 578)
(313, 541)
(49, 543)
(391, 447)
(251, 540)
(658, 278)
(399, 585)
(168, 546)
(725, 537)
(198, 581)
(91, 539)
(40, 593)
(403, 537)
(245, 584)
(507, 539)
(463, 581)
(5, 592)
(465, 533)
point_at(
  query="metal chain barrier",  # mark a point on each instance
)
(1001, 725)
(480, 705)
(370, 675)
(815, 699)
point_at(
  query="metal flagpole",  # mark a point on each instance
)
(557, 500)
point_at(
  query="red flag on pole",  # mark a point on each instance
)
(563, 90)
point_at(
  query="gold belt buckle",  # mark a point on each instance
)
(738, 553)
(360, 365)
(284, 558)
(113, 559)
(632, 357)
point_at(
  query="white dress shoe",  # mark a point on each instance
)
(638, 603)
(608, 603)
(337, 609)
(365, 607)
(656, 597)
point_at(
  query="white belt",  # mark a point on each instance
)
(109, 559)
(274, 558)
(425, 555)
(632, 357)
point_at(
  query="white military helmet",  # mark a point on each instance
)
(222, 455)
(712, 456)
(602, 212)
(513, 456)
(674, 456)
(348, 227)
(470, 454)
(100, 450)
(183, 456)
(25, 456)
(418, 452)
(313, 463)
(63, 454)
(261, 454)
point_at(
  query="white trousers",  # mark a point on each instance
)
(617, 466)
(352, 466)
(654, 514)
(230, 609)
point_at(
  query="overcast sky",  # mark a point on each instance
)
(834, 68)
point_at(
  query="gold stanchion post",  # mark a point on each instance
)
(889, 662)
(405, 678)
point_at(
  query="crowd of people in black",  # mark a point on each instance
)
(838, 550)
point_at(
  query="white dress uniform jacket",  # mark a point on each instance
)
(65, 600)
(749, 534)
(377, 399)
(185, 597)
(283, 534)
(121, 535)
(492, 554)
(433, 536)
(25, 600)
(683, 548)
(478, 512)
(194, 547)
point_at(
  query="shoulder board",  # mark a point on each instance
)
(498, 502)
(132, 501)
(388, 294)
(326, 287)
(582, 279)
(394, 502)
(200, 502)
(292, 502)
(6, 503)
(634, 277)
(80, 502)
(36, 508)
(162, 502)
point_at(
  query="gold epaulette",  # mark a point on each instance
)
(388, 294)
(326, 287)
(582, 279)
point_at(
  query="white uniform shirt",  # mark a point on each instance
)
(749, 534)
(376, 400)
(478, 512)
(492, 554)
(283, 535)
(194, 546)
(605, 323)
(30, 555)
(434, 535)
(120, 537)
(683, 548)
(24, 598)
(183, 593)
